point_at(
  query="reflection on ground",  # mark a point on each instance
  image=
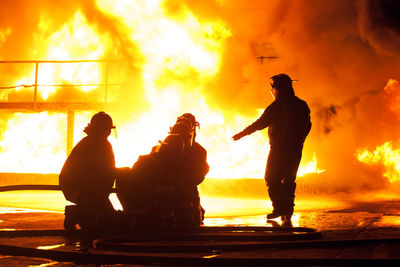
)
(322, 214)
(336, 219)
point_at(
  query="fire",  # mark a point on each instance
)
(310, 167)
(386, 155)
(33, 142)
(178, 57)
(74, 40)
(4, 35)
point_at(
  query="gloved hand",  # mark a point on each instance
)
(238, 136)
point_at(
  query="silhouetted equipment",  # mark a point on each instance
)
(262, 58)
(68, 107)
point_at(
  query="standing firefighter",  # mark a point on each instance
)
(88, 175)
(288, 122)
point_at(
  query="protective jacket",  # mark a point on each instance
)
(288, 120)
(89, 169)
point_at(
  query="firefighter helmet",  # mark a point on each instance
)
(102, 120)
(281, 81)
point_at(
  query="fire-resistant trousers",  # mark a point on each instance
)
(280, 176)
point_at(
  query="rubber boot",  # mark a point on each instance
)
(275, 194)
(71, 217)
(184, 217)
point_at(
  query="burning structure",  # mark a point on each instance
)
(203, 57)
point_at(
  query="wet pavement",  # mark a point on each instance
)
(353, 234)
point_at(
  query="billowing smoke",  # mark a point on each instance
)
(342, 53)
(380, 25)
(342, 64)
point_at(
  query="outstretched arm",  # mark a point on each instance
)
(238, 136)
(262, 122)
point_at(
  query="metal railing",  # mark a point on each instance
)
(35, 85)
(68, 107)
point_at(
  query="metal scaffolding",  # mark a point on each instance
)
(68, 107)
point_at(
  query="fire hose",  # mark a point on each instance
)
(33, 187)
(29, 187)
(211, 258)
(210, 241)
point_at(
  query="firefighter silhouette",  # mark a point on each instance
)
(192, 173)
(160, 191)
(88, 175)
(288, 122)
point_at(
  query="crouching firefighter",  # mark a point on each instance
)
(146, 190)
(87, 178)
(189, 212)
(154, 192)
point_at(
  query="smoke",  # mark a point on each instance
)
(342, 52)
(380, 25)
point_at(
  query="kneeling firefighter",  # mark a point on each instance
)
(87, 177)
(146, 190)
(193, 170)
(160, 191)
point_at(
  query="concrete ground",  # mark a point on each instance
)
(355, 234)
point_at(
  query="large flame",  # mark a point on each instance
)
(385, 154)
(33, 143)
(179, 56)
(75, 40)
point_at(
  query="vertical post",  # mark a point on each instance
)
(70, 130)
(36, 84)
(106, 83)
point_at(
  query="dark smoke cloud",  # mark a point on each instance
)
(379, 23)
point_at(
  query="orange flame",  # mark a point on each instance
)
(4, 34)
(75, 40)
(179, 57)
(385, 154)
(33, 143)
